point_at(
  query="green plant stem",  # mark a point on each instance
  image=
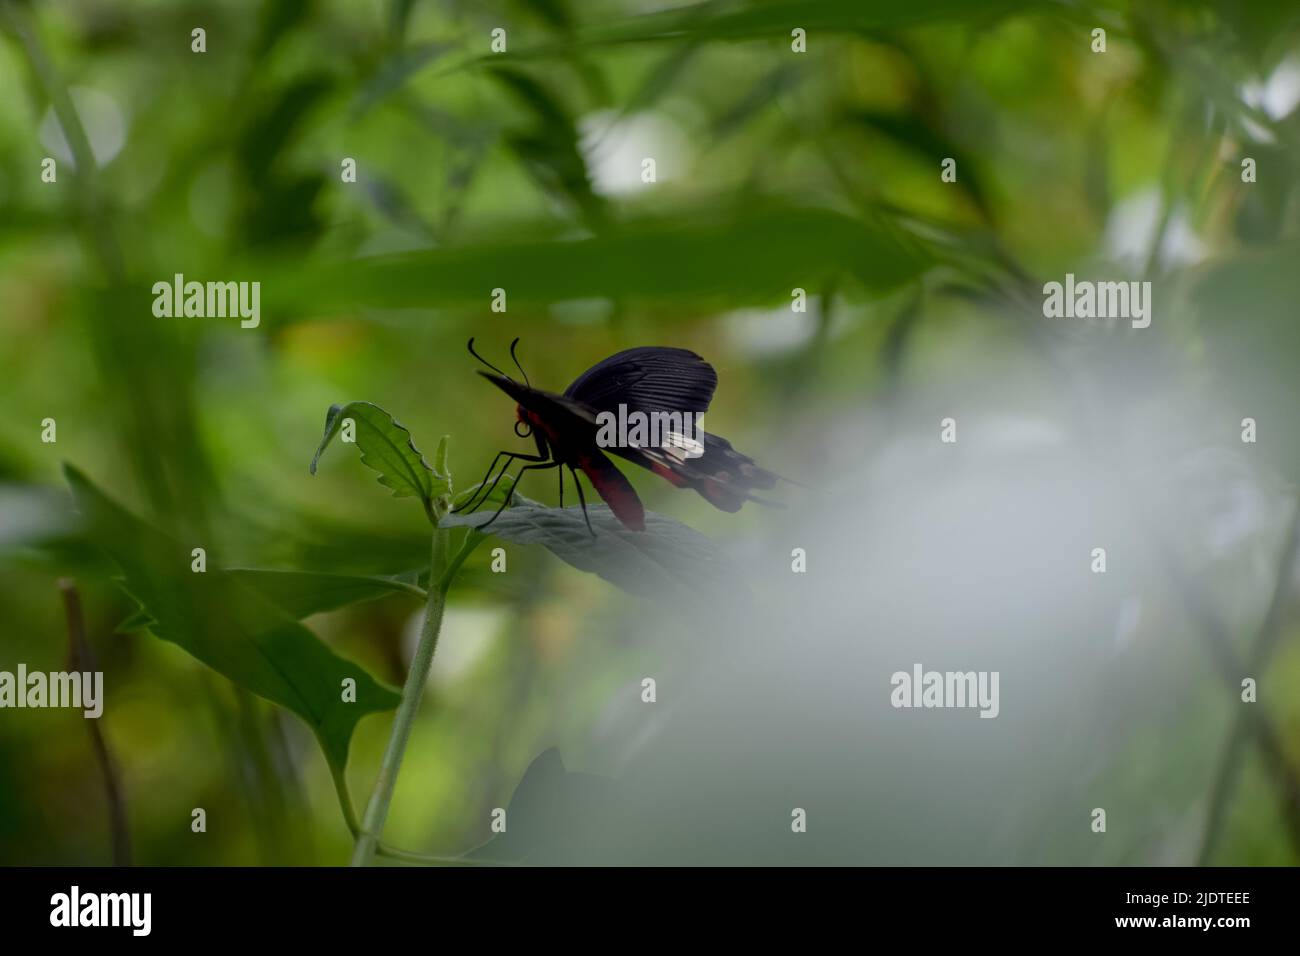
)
(368, 844)
(345, 800)
(471, 541)
(377, 810)
(381, 848)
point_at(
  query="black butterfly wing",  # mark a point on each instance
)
(657, 379)
(649, 379)
(725, 477)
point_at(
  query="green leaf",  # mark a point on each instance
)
(393, 73)
(269, 132)
(230, 627)
(776, 18)
(725, 20)
(925, 138)
(668, 559)
(387, 447)
(304, 593)
(745, 256)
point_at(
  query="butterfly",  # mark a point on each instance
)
(650, 384)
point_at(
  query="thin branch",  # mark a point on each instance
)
(80, 658)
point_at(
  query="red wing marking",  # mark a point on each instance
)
(719, 495)
(663, 471)
(615, 489)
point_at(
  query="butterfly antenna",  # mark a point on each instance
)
(513, 345)
(470, 346)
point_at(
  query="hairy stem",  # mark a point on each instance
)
(470, 542)
(372, 824)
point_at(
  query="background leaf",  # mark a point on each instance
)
(303, 593)
(720, 20)
(232, 628)
(752, 255)
(775, 170)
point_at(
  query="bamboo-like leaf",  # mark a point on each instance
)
(725, 20)
(750, 256)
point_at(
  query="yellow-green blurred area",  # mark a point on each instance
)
(776, 169)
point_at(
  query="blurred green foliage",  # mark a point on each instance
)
(521, 170)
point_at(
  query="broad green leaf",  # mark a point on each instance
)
(230, 627)
(776, 18)
(726, 20)
(666, 561)
(304, 593)
(388, 448)
(748, 256)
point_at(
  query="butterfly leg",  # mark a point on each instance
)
(482, 495)
(561, 474)
(542, 466)
(483, 483)
(582, 500)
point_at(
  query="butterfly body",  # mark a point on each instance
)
(650, 380)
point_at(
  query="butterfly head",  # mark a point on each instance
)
(508, 385)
